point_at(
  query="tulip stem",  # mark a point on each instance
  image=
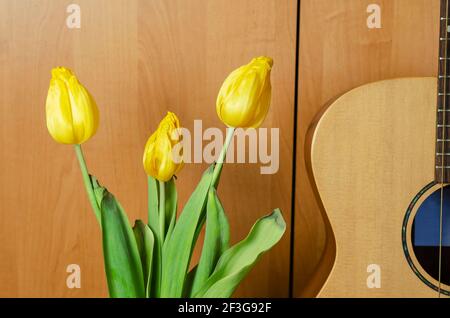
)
(88, 183)
(222, 156)
(162, 210)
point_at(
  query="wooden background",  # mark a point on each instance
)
(140, 58)
(337, 53)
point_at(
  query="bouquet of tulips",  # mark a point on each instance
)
(152, 259)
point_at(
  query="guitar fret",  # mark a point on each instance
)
(442, 167)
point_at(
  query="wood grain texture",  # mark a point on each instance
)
(366, 185)
(139, 59)
(337, 53)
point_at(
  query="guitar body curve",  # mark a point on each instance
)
(371, 153)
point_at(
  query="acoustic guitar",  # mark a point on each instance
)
(379, 158)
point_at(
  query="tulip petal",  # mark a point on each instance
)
(84, 111)
(59, 113)
(243, 102)
(62, 73)
(158, 158)
(263, 110)
(72, 115)
(244, 97)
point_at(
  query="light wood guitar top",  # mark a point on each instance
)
(371, 152)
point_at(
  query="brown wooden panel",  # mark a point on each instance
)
(337, 53)
(139, 59)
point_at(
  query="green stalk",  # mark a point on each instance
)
(149, 198)
(88, 183)
(222, 155)
(162, 210)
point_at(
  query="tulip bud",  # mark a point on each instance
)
(72, 115)
(244, 97)
(158, 158)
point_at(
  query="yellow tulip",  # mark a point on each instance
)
(72, 115)
(244, 97)
(158, 158)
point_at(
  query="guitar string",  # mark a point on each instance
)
(443, 150)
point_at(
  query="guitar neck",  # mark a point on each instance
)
(442, 169)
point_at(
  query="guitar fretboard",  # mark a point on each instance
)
(442, 174)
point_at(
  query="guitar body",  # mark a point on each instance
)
(371, 157)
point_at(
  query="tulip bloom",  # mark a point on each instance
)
(72, 114)
(158, 160)
(244, 98)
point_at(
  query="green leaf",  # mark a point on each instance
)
(177, 249)
(145, 243)
(156, 270)
(170, 206)
(122, 261)
(188, 283)
(216, 240)
(98, 190)
(237, 261)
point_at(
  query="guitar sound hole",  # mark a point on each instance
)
(426, 235)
